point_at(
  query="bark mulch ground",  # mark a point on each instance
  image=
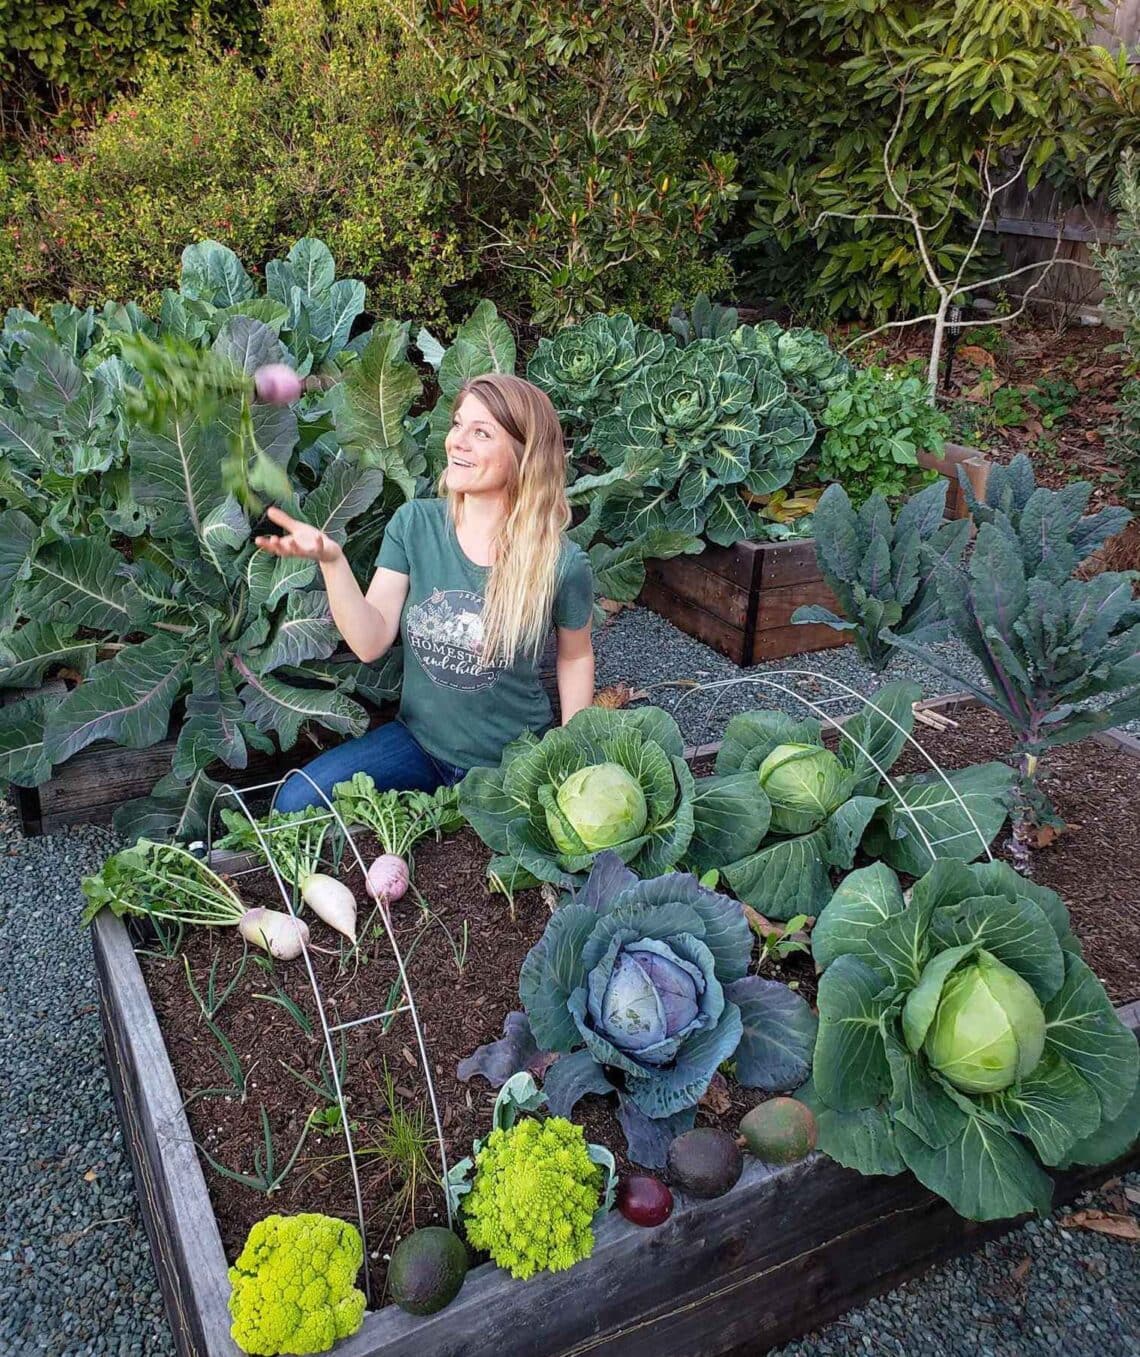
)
(463, 947)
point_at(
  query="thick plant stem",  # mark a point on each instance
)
(1024, 820)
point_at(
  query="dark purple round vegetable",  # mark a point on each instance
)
(277, 384)
(644, 1200)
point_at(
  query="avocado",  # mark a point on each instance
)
(705, 1162)
(779, 1131)
(427, 1270)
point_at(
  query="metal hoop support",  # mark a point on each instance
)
(846, 691)
(407, 1005)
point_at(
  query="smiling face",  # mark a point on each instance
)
(481, 458)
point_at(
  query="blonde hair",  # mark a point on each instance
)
(524, 569)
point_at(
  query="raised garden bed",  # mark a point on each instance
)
(783, 1252)
(740, 599)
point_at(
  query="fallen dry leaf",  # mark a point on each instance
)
(90, 1176)
(1044, 835)
(1103, 1222)
(717, 1098)
(1133, 1194)
(611, 606)
(975, 354)
(618, 695)
(1021, 1271)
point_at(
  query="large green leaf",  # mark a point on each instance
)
(785, 879)
(775, 1050)
(1015, 931)
(374, 398)
(175, 809)
(862, 1140)
(958, 821)
(177, 470)
(305, 631)
(922, 1001)
(917, 1101)
(213, 273)
(483, 343)
(270, 578)
(346, 490)
(852, 922)
(873, 739)
(752, 735)
(985, 1174)
(48, 381)
(248, 344)
(78, 580)
(731, 815)
(1082, 1026)
(284, 708)
(23, 759)
(29, 652)
(1113, 1138)
(850, 1068)
(1051, 1106)
(846, 827)
(17, 538)
(126, 699)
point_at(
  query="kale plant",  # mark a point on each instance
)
(707, 320)
(877, 569)
(1060, 656)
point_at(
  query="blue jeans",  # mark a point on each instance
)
(390, 756)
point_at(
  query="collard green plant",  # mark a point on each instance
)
(190, 619)
(877, 569)
(607, 780)
(642, 986)
(1060, 656)
(827, 805)
(962, 1037)
(877, 424)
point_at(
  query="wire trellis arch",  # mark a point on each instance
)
(837, 723)
(406, 1004)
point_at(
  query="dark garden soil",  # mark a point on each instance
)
(463, 949)
(460, 1005)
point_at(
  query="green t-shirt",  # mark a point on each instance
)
(458, 709)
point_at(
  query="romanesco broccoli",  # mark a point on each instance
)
(535, 1192)
(293, 1285)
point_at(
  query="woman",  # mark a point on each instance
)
(471, 583)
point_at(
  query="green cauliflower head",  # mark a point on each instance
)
(294, 1285)
(533, 1200)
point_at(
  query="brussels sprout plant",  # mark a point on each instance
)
(825, 806)
(608, 780)
(961, 1032)
(643, 987)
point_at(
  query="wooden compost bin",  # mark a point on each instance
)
(740, 599)
(787, 1250)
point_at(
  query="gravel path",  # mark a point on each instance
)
(75, 1270)
(641, 649)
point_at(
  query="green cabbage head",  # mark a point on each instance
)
(604, 805)
(804, 783)
(989, 1027)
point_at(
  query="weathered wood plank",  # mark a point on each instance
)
(786, 563)
(776, 606)
(734, 564)
(779, 642)
(695, 621)
(690, 579)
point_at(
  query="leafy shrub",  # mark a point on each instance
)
(910, 821)
(877, 424)
(876, 569)
(981, 955)
(317, 145)
(1120, 274)
(820, 101)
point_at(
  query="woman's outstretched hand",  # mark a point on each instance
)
(298, 539)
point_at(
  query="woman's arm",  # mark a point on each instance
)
(369, 624)
(575, 669)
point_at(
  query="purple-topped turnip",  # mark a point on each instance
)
(277, 384)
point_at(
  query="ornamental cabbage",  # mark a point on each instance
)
(643, 989)
(962, 1037)
(608, 779)
(294, 1285)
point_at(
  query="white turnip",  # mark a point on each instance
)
(332, 901)
(282, 935)
(387, 878)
